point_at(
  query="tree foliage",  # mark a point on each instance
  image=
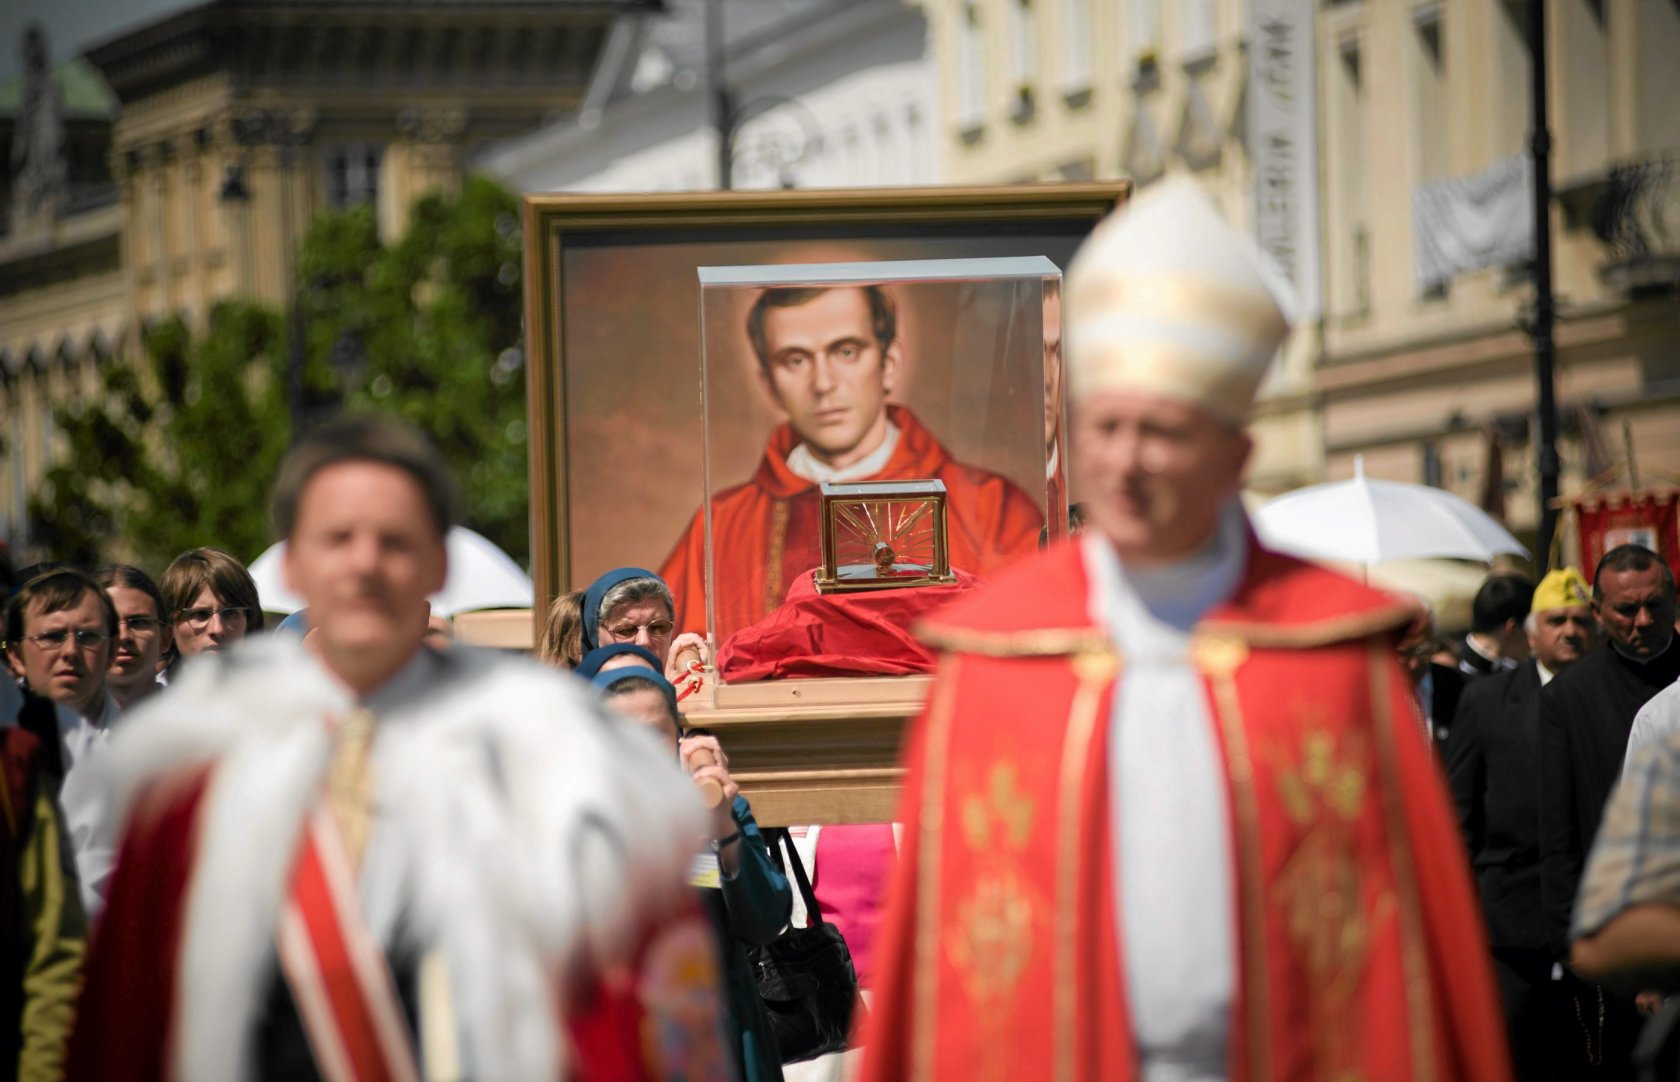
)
(181, 448)
(174, 451)
(429, 329)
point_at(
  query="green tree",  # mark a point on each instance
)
(182, 448)
(429, 329)
(175, 451)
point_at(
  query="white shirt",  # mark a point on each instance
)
(804, 464)
(1169, 807)
(83, 799)
(1659, 717)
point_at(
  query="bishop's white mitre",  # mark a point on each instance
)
(1166, 298)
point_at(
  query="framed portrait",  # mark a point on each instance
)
(647, 402)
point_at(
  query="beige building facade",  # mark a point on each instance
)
(229, 127)
(1047, 90)
(1435, 381)
(1426, 382)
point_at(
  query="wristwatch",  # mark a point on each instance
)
(719, 844)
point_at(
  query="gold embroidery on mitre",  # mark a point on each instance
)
(1322, 784)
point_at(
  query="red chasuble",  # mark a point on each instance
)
(767, 530)
(1360, 952)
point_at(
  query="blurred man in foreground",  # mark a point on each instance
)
(1169, 813)
(1492, 769)
(369, 859)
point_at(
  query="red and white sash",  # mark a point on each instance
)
(338, 975)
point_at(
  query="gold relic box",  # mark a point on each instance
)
(882, 535)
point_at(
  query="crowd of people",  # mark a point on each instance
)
(1178, 807)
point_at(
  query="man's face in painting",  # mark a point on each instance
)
(829, 373)
(1052, 367)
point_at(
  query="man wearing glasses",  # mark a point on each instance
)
(60, 627)
(42, 925)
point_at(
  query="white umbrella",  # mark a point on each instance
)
(481, 576)
(1369, 522)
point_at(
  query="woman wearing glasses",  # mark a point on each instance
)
(211, 600)
(143, 634)
(632, 604)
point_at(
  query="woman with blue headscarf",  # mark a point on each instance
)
(632, 604)
(750, 902)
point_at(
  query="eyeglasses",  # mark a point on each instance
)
(54, 641)
(140, 625)
(200, 619)
(658, 629)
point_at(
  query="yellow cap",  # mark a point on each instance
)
(1561, 589)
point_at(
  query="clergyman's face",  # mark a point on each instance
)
(829, 374)
(1561, 636)
(1052, 368)
(1636, 609)
(1155, 472)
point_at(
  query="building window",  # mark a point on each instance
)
(352, 173)
(1429, 96)
(1511, 100)
(1659, 76)
(1200, 26)
(1584, 143)
(1350, 278)
(1143, 31)
(1025, 46)
(972, 69)
(1076, 45)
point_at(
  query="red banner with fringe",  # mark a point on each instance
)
(1649, 517)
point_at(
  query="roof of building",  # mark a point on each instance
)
(85, 93)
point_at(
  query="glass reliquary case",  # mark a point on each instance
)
(869, 426)
(879, 535)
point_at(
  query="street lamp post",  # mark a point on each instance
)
(1545, 304)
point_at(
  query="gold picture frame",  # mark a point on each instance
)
(604, 276)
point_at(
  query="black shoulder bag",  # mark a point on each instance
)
(805, 976)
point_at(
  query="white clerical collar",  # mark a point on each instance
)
(805, 464)
(1616, 646)
(1178, 594)
(1055, 461)
(1546, 674)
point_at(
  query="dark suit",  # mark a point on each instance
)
(1585, 717)
(1491, 767)
(1446, 684)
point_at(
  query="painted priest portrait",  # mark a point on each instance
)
(829, 359)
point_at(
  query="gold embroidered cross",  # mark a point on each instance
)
(1002, 802)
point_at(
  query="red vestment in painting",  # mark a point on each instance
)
(767, 530)
(1360, 954)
